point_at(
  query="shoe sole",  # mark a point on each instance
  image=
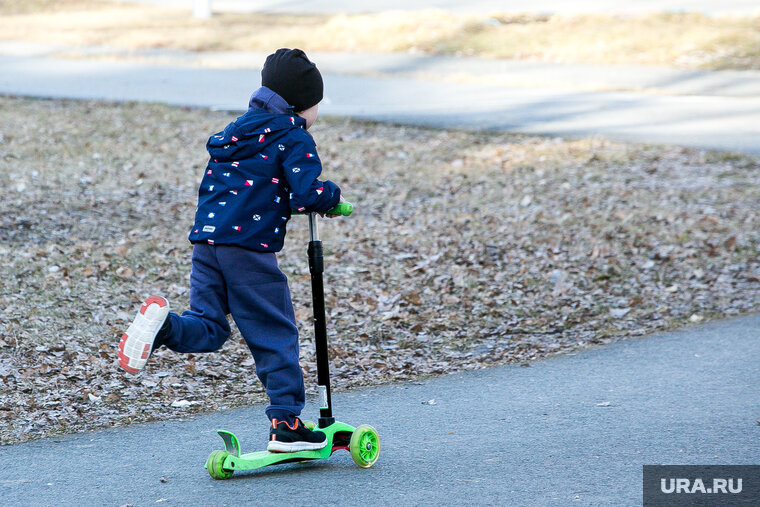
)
(136, 343)
(275, 446)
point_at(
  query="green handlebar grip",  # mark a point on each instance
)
(344, 208)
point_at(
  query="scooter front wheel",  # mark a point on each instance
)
(364, 446)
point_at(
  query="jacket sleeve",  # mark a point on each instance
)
(301, 168)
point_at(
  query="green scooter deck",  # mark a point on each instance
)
(235, 460)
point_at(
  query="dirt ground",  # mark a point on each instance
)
(467, 249)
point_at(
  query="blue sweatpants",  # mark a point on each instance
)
(249, 285)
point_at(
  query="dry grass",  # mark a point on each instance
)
(681, 40)
(686, 40)
(466, 250)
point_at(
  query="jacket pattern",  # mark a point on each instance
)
(261, 167)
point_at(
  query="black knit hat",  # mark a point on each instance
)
(290, 74)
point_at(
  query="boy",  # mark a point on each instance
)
(261, 166)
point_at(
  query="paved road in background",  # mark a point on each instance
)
(730, 122)
(736, 7)
(572, 430)
(496, 72)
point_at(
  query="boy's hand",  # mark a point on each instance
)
(328, 215)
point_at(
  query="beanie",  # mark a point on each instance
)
(291, 75)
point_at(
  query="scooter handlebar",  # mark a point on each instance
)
(344, 208)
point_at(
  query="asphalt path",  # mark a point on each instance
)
(658, 80)
(571, 430)
(704, 121)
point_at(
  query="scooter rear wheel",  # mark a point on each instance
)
(214, 465)
(364, 446)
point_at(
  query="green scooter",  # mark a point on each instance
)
(362, 442)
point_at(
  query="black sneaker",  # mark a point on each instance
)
(286, 438)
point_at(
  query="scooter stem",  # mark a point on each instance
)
(316, 268)
(313, 227)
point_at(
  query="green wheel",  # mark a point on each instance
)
(364, 446)
(310, 425)
(214, 465)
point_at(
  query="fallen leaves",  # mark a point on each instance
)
(446, 266)
(619, 312)
(184, 403)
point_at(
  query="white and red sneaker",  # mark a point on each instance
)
(136, 344)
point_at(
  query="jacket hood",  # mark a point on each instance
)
(264, 98)
(255, 123)
(260, 121)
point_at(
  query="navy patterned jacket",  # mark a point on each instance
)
(262, 166)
